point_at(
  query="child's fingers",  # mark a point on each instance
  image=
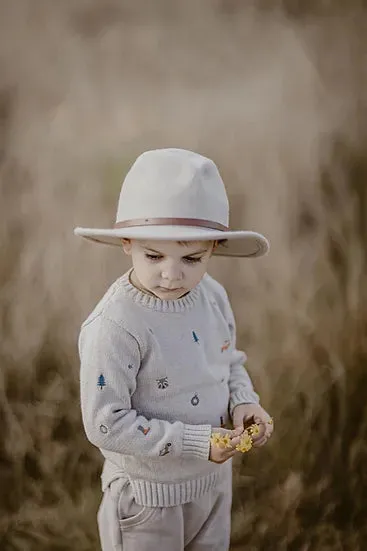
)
(261, 431)
(237, 431)
(270, 427)
(235, 441)
(260, 442)
(232, 454)
(229, 452)
(223, 431)
(266, 426)
(220, 455)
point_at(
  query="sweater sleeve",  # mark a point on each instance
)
(240, 385)
(109, 363)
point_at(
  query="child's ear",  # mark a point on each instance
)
(215, 245)
(126, 245)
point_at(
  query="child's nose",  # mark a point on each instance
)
(172, 272)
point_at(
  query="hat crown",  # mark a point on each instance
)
(173, 183)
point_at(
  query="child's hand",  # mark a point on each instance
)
(221, 451)
(246, 414)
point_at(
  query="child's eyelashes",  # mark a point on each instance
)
(153, 257)
(187, 259)
(191, 260)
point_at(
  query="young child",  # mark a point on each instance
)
(160, 371)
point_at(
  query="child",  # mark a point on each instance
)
(160, 371)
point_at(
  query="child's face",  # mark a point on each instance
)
(168, 269)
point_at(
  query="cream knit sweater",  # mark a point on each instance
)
(156, 376)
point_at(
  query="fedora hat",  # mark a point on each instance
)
(176, 195)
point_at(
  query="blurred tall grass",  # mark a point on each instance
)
(275, 92)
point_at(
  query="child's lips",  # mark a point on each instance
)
(166, 290)
(170, 292)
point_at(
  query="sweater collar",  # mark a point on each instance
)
(154, 303)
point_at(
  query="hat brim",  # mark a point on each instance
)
(238, 243)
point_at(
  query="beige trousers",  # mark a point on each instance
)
(201, 525)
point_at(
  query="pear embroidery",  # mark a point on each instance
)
(195, 400)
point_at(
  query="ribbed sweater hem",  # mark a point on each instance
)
(157, 494)
(163, 494)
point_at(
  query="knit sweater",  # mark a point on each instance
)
(156, 376)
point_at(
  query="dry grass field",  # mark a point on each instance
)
(275, 91)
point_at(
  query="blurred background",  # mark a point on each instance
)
(275, 92)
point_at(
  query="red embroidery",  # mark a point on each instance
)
(225, 345)
(144, 430)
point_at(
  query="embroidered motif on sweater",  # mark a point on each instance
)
(165, 450)
(195, 400)
(195, 337)
(225, 345)
(162, 383)
(101, 381)
(144, 430)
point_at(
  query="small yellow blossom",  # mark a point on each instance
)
(226, 440)
(215, 439)
(220, 440)
(254, 430)
(245, 444)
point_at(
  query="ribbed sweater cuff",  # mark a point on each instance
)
(243, 397)
(196, 441)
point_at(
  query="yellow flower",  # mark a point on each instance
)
(215, 439)
(245, 444)
(226, 440)
(254, 430)
(220, 440)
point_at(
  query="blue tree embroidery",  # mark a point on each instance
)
(101, 381)
(195, 337)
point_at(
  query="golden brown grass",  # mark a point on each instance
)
(275, 93)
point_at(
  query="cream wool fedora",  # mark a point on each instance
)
(176, 195)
